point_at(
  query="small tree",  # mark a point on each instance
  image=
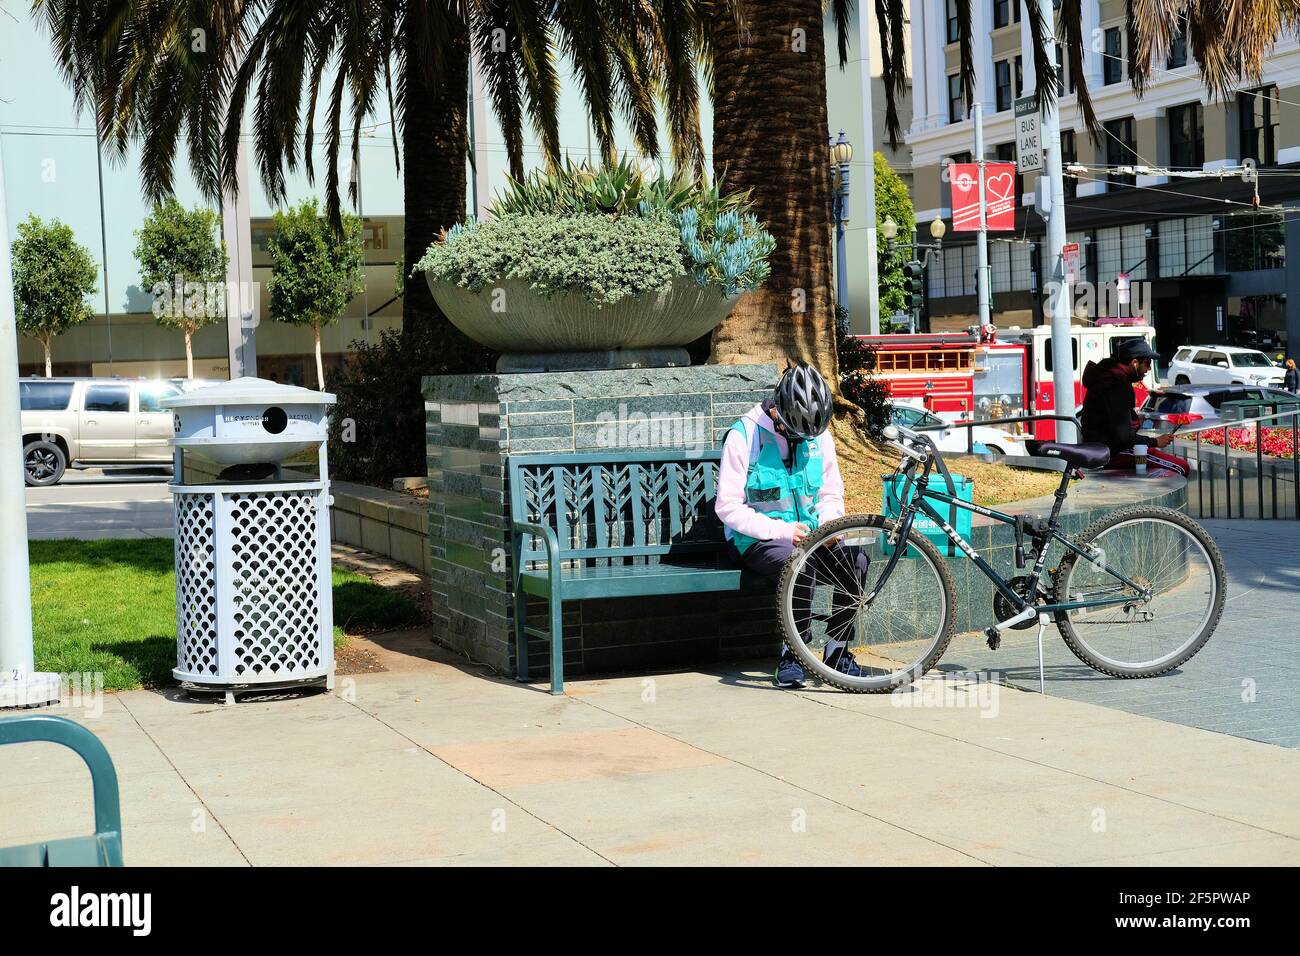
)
(183, 263)
(315, 271)
(893, 201)
(53, 274)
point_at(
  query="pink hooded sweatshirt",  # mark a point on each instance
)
(738, 516)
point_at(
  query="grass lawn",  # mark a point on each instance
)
(110, 606)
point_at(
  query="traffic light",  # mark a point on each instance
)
(913, 286)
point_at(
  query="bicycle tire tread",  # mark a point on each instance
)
(1126, 514)
(884, 524)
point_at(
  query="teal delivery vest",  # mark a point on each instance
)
(771, 488)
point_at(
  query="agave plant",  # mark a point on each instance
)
(619, 188)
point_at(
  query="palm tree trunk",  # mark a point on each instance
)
(189, 353)
(320, 369)
(770, 135)
(434, 147)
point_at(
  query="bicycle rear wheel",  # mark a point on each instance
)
(896, 638)
(1163, 551)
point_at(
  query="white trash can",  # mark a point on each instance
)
(254, 607)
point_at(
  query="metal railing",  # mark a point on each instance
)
(1230, 483)
(1011, 420)
(1243, 483)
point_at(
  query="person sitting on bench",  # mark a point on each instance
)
(1109, 414)
(778, 480)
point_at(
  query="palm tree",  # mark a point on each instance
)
(770, 133)
(154, 70)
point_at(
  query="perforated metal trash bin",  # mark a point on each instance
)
(254, 607)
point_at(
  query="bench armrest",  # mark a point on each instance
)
(549, 539)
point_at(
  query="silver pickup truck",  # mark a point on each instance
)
(89, 422)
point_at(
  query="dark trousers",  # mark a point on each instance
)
(842, 566)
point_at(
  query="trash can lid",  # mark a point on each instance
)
(248, 391)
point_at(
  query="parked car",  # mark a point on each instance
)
(90, 422)
(190, 384)
(1222, 365)
(1205, 400)
(952, 438)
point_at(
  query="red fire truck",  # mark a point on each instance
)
(963, 376)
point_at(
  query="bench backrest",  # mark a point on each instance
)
(620, 507)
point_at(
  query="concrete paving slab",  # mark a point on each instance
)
(722, 814)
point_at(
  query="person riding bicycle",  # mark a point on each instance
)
(778, 480)
(1108, 415)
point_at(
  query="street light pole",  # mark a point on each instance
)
(841, 156)
(1058, 290)
(982, 237)
(21, 685)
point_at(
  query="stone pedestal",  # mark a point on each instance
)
(476, 421)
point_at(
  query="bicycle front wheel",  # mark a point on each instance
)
(1167, 555)
(827, 610)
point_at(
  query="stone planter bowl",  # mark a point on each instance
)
(529, 322)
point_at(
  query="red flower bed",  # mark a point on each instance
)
(1277, 441)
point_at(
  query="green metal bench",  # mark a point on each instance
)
(613, 524)
(104, 846)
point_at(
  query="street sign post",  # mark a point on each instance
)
(1029, 143)
(1070, 255)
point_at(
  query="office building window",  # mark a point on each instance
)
(1020, 76)
(1186, 136)
(1133, 248)
(1178, 48)
(1187, 246)
(1020, 265)
(1068, 156)
(1121, 149)
(1113, 69)
(1005, 12)
(1002, 82)
(1259, 110)
(956, 105)
(1000, 265)
(953, 32)
(1006, 153)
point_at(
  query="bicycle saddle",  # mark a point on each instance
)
(1091, 455)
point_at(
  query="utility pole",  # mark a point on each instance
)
(21, 685)
(1058, 292)
(869, 178)
(981, 238)
(241, 296)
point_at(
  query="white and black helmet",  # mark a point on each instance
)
(802, 401)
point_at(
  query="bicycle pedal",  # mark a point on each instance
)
(994, 639)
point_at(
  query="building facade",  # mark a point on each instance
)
(1206, 264)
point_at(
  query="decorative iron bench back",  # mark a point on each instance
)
(612, 508)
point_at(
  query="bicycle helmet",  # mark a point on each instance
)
(802, 401)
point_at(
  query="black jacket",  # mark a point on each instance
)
(1291, 381)
(1108, 402)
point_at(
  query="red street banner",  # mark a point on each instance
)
(999, 192)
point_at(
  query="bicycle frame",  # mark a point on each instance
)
(1051, 532)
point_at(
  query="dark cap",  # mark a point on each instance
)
(1136, 349)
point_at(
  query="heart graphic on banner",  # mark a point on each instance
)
(1001, 186)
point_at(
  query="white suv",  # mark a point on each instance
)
(88, 422)
(1223, 365)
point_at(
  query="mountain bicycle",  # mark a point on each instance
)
(1137, 594)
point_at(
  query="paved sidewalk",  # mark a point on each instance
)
(433, 762)
(1245, 681)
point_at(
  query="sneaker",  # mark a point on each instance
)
(789, 672)
(844, 662)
